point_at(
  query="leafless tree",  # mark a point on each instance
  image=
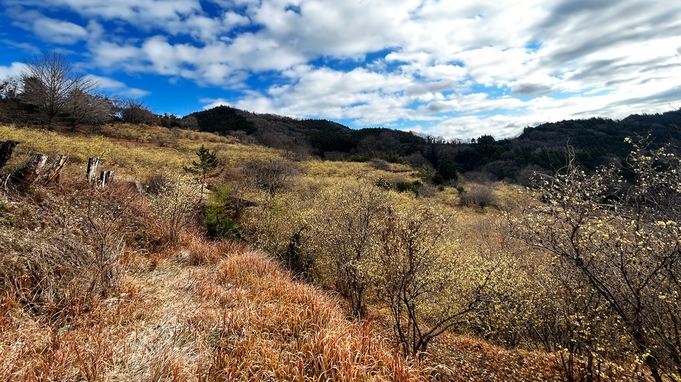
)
(48, 82)
(416, 275)
(133, 111)
(84, 107)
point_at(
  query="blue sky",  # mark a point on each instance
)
(450, 68)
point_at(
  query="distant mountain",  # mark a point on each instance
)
(597, 141)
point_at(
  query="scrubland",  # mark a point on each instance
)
(299, 269)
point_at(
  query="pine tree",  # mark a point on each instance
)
(206, 167)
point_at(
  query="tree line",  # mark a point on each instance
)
(51, 92)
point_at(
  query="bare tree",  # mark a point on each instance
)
(93, 109)
(417, 276)
(49, 81)
(133, 111)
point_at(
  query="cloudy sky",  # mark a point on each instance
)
(451, 68)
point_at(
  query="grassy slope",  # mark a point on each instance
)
(216, 311)
(239, 318)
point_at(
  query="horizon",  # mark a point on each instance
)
(452, 70)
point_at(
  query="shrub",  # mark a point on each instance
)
(384, 184)
(415, 274)
(380, 164)
(479, 195)
(341, 239)
(405, 186)
(271, 175)
(218, 215)
(174, 208)
(66, 252)
(622, 241)
(155, 184)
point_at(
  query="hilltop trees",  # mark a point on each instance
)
(51, 82)
(133, 111)
(84, 107)
(51, 91)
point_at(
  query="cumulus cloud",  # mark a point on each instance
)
(61, 32)
(13, 70)
(109, 84)
(458, 68)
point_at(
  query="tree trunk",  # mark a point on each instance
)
(105, 178)
(54, 171)
(91, 174)
(33, 169)
(6, 149)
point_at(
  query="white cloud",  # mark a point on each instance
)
(61, 32)
(144, 14)
(447, 66)
(117, 87)
(214, 102)
(26, 47)
(13, 70)
(359, 94)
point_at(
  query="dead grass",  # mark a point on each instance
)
(470, 359)
(241, 318)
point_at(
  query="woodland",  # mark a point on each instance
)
(228, 245)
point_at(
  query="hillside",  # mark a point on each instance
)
(282, 270)
(596, 142)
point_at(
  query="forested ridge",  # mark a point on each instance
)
(596, 142)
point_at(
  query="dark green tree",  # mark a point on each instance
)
(446, 171)
(206, 167)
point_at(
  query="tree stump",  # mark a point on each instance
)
(33, 169)
(91, 174)
(6, 149)
(54, 171)
(106, 177)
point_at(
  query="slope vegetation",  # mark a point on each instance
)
(92, 287)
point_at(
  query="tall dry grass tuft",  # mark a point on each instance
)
(261, 324)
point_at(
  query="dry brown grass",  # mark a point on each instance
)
(471, 359)
(240, 318)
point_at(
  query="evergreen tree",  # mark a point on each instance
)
(205, 167)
